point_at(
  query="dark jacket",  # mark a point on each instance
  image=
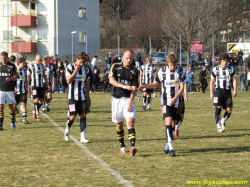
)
(203, 75)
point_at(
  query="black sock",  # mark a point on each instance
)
(226, 116)
(169, 133)
(120, 135)
(149, 101)
(131, 136)
(83, 124)
(1, 118)
(12, 117)
(69, 123)
(217, 114)
(144, 100)
(48, 101)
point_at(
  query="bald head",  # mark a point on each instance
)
(128, 57)
(38, 59)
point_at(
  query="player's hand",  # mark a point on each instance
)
(78, 67)
(130, 108)
(8, 79)
(234, 93)
(141, 87)
(127, 87)
(212, 96)
(185, 99)
(173, 101)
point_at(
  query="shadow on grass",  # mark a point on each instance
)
(220, 150)
(218, 136)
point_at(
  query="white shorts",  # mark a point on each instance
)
(120, 109)
(7, 97)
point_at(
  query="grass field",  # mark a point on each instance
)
(37, 154)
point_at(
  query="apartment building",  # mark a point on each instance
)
(47, 27)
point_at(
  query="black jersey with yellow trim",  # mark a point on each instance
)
(126, 76)
(8, 70)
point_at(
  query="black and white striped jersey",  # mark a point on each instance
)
(49, 72)
(147, 73)
(77, 86)
(223, 77)
(36, 71)
(21, 81)
(170, 82)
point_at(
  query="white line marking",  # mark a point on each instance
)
(104, 164)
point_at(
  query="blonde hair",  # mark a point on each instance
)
(149, 59)
(172, 58)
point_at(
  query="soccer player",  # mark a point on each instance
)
(50, 74)
(21, 88)
(37, 72)
(223, 75)
(8, 76)
(172, 79)
(77, 76)
(148, 72)
(124, 78)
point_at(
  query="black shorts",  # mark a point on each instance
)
(38, 92)
(149, 91)
(169, 111)
(181, 107)
(45, 87)
(223, 98)
(77, 107)
(21, 98)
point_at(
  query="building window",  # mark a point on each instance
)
(82, 37)
(7, 10)
(82, 12)
(7, 36)
(40, 8)
(41, 34)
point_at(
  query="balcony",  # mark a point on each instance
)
(21, 0)
(24, 20)
(24, 46)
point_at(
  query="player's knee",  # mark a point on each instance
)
(218, 111)
(229, 111)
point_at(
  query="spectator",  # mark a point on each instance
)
(243, 80)
(137, 60)
(95, 78)
(199, 58)
(94, 62)
(203, 79)
(235, 64)
(51, 60)
(191, 61)
(56, 59)
(109, 59)
(106, 82)
(240, 54)
(230, 61)
(190, 78)
(247, 62)
(207, 63)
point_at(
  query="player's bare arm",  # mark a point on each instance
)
(235, 87)
(212, 88)
(174, 99)
(148, 86)
(117, 84)
(131, 99)
(185, 93)
(71, 78)
(28, 80)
